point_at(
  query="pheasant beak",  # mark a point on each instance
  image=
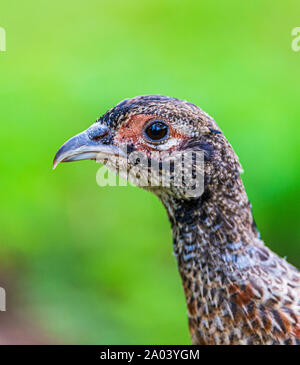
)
(86, 146)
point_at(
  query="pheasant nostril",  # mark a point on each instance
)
(98, 132)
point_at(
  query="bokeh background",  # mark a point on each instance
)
(88, 265)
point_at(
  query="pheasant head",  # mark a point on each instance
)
(237, 290)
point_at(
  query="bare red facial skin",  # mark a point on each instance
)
(132, 132)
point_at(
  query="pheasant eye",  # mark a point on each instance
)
(156, 131)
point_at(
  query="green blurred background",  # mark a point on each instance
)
(88, 265)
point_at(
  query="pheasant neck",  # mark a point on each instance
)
(216, 229)
(214, 241)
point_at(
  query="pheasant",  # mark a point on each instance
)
(237, 290)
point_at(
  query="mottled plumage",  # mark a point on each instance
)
(237, 290)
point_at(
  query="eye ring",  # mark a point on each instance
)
(156, 131)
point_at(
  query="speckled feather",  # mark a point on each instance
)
(237, 290)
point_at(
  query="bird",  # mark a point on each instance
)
(237, 290)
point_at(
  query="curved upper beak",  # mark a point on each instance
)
(86, 146)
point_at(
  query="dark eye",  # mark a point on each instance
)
(156, 131)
